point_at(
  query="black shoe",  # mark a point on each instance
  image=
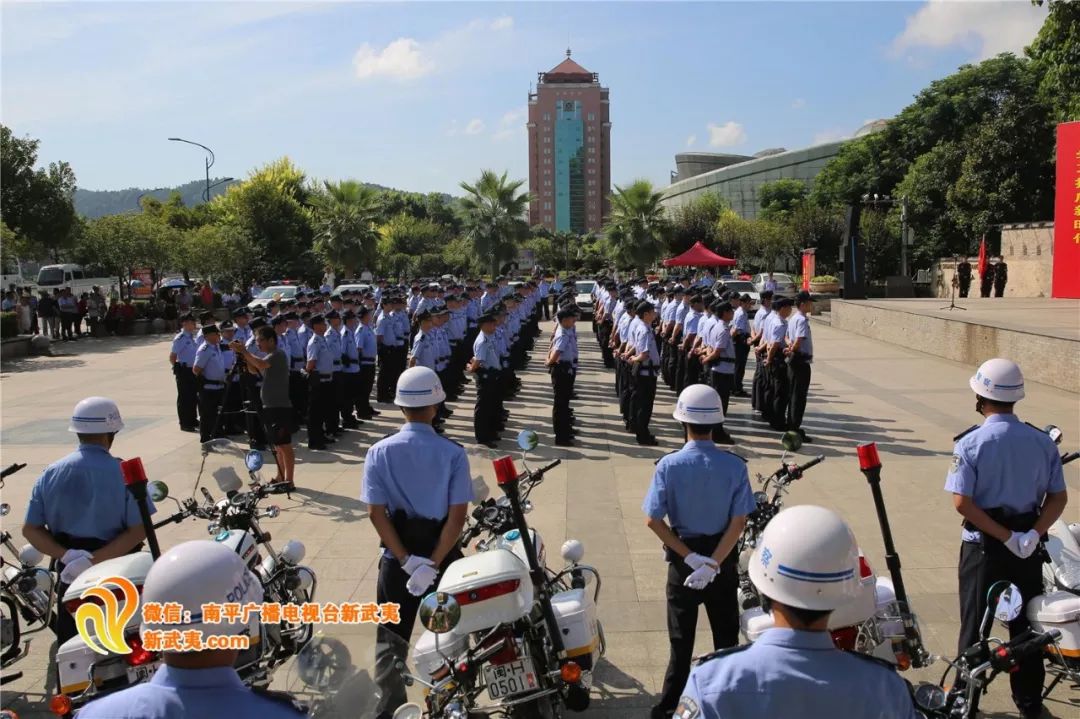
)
(281, 488)
(189, 429)
(355, 424)
(649, 441)
(805, 437)
(257, 446)
(448, 413)
(490, 444)
(373, 413)
(318, 447)
(565, 443)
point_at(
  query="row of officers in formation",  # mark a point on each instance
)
(340, 347)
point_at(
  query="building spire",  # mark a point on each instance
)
(568, 52)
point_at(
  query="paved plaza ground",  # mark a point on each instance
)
(909, 403)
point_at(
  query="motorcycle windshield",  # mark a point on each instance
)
(338, 674)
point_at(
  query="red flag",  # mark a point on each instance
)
(982, 256)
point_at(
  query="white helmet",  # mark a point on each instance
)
(96, 415)
(201, 572)
(699, 404)
(807, 558)
(998, 380)
(419, 387)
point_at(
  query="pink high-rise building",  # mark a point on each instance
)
(569, 150)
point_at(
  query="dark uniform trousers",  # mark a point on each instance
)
(365, 381)
(63, 623)
(691, 370)
(641, 400)
(298, 394)
(486, 418)
(672, 365)
(334, 401)
(320, 402)
(562, 384)
(721, 605)
(626, 391)
(742, 353)
(210, 395)
(604, 337)
(382, 393)
(757, 387)
(187, 396)
(233, 421)
(776, 392)
(350, 395)
(256, 430)
(799, 382)
(982, 564)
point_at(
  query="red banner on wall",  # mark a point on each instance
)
(1066, 282)
(807, 268)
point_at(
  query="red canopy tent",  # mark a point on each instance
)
(699, 256)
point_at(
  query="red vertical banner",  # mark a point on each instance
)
(1066, 277)
(807, 268)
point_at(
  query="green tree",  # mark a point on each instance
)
(780, 198)
(493, 215)
(344, 217)
(122, 243)
(36, 203)
(217, 250)
(411, 245)
(696, 222)
(638, 229)
(1056, 55)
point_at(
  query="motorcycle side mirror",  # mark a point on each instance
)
(157, 490)
(440, 612)
(409, 711)
(1055, 433)
(527, 440)
(792, 441)
(253, 460)
(1009, 604)
(996, 604)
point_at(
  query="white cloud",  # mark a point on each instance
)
(512, 124)
(982, 28)
(502, 23)
(691, 140)
(475, 127)
(798, 104)
(402, 59)
(729, 134)
(830, 136)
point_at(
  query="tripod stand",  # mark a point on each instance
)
(953, 284)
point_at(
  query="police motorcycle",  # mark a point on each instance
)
(84, 674)
(26, 593)
(851, 623)
(978, 665)
(501, 623)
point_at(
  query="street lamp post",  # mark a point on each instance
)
(876, 200)
(209, 163)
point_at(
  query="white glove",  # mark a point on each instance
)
(421, 579)
(413, 562)
(696, 561)
(1013, 544)
(72, 554)
(75, 567)
(700, 577)
(1029, 542)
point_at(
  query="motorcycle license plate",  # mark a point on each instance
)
(141, 673)
(504, 680)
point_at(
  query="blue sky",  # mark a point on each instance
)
(423, 95)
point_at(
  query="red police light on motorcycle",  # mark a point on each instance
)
(868, 456)
(133, 471)
(505, 471)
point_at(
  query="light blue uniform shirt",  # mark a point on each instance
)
(296, 350)
(693, 319)
(488, 300)
(319, 351)
(333, 343)
(563, 343)
(486, 350)
(418, 471)
(798, 325)
(741, 321)
(700, 489)
(387, 328)
(643, 339)
(760, 317)
(622, 326)
(183, 345)
(210, 360)
(442, 348)
(424, 350)
(403, 326)
(681, 311)
(349, 351)
(1005, 463)
(243, 333)
(721, 337)
(792, 673)
(472, 313)
(174, 693)
(83, 495)
(775, 330)
(366, 344)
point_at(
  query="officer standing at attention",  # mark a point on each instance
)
(1007, 483)
(297, 352)
(720, 363)
(644, 361)
(350, 371)
(202, 683)
(804, 567)
(963, 272)
(80, 513)
(740, 334)
(337, 385)
(209, 370)
(704, 494)
(368, 349)
(986, 280)
(320, 369)
(800, 353)
(386, 335)
(417, 487)
(777, 391)
(1001, 277)
(485, 365)
(560, 364)
(757, 386)
(182, 359)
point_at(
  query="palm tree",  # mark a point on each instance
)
(637, 228)
(345, 217)
(494, 216)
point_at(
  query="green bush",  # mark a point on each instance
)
(824, 279)
(9, 325)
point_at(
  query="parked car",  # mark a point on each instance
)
(352, 287)
(743, 287)
(785, 284)
(264, 298)
(583, 297)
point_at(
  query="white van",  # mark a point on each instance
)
(51, 277)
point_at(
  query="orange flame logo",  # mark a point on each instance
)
(101, 626)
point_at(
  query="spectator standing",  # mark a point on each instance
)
(69, 314)
(207, 296)
(127, 316)
(183, 301)
(47, 312)
(770, 283)
(84, 309)
(24, 316)
(9, 302)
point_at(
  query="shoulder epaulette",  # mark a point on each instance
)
(866, 657)
(736, 455)
(665, 455)
(1040, 430)
(966, 432)
(720, 653)
(452, 441)
(283, 698)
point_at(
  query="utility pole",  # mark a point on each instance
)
(903, 237)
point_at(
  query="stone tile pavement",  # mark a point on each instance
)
(909, 403)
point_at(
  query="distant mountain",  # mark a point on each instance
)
(98, 203)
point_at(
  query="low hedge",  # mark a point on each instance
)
(824, 279)
(9, 325)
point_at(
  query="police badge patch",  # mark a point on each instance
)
(687, 709)
(955, 463)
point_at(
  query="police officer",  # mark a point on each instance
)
(720, 363)
(644, 359)
(986, 280)
(80, 513)
(337, 385)
(417, 487)
(1001, 277)
(367, 348)
(560, 364)
(252, 381)
(704, 494)
(197, 683)
(740, 334)
(296, 349)
(1007, 483)
(350, 371)
(800, 354)
(232, 401)
(777, 391)
(486, 366)
(209, 370)
(804, 567)
(182, 359)
(757, 387)
(963, 272)
(386, 335)
(320, 370)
